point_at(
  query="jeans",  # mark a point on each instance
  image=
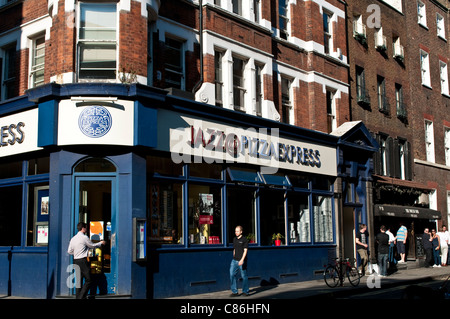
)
(391, 253)
(382, 264)
(437, 256)
(234, 269)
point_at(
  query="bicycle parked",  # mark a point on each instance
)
(335, 273)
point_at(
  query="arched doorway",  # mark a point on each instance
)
(95, 203)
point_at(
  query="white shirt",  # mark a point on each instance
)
(391, 236)
(444, 237)
(80, 244)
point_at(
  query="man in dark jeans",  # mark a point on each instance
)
(428, 247)
(239, 263)
(78, 247)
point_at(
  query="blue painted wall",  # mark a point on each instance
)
(177, 273)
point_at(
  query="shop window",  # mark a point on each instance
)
(166, 213)
(321, 183)
(205, 214)
(10, 170)
(299, 218)
(203, 170)
(163, 166)
(323, 219)
(11, 216)
(279, 180)
(97, 43)
(300, 181)
(39, 166)
(241, 209)
(272, 215)
(38, 214)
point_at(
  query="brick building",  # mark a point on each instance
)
(163, 125)
(428, 48)
(385, 41)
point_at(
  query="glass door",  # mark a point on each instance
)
(95, 206)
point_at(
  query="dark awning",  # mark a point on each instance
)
(406, 212)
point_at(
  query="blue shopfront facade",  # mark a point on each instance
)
(164, 181)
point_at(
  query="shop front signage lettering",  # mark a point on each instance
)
(256, 147)
(12, 134)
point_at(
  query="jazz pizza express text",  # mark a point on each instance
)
(216, 140)
(12, 134)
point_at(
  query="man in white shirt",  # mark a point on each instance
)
(444, 238)
(79, 247)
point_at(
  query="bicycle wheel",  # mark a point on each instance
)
(331, 276)
(353, 276)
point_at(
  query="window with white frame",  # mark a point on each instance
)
(444, 77)
(380, 40)
(447, 145)
(359, 29)
(402, 158)
(9, 71)
(425, 68)
(327, 32)
(283, 18)
(440, 26)
(421, 13)
(258, 88)
(384, 151)
(331, 110)
(218, 77)
(237, 6)
(432, 199)
(257, 11)
(174, 63)
(286, 100)
(429, 140)
(97, 41)
(238, 83)
(37, 62)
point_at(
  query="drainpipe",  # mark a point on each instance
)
(200, 31)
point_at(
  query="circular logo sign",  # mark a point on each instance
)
(95, 121)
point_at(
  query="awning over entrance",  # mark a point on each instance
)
(406, 212)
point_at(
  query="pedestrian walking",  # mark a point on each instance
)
(79, 247)
(362, 240)
(383, 251)
(239, 262)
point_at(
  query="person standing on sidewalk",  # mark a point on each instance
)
(428, 247)
(391, 258)
(239, 262)
(362, 239)
(383, 250)
(436, 248)
(78, 247)
(402, 235)
(444, 239)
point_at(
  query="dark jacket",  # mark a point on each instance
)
(426, 241)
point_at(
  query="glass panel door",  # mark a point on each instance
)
(95, 206)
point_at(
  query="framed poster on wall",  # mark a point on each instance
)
(41, 215)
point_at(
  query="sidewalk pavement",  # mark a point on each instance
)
(318, 289)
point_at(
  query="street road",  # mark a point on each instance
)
(425, 290)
